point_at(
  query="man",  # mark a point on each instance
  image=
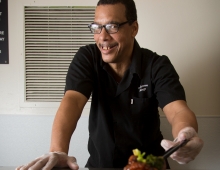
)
(127, 83)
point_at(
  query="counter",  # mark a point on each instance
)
(13, 168)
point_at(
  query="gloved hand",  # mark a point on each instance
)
(50, 160)
(188, 152)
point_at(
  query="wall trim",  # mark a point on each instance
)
(199, 116)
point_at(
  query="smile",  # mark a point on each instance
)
(107, 47)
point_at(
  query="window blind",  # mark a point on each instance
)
(53, 34)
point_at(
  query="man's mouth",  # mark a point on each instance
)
(104, 47)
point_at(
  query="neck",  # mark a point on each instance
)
(119, 69)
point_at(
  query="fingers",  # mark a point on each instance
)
(167, 144)
(188, 152)
(183, 155)
(27, 166)
(72, 163)
(186, 133)
(50, 160)
(19, 167)
(38, 163)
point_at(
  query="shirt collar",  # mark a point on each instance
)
(135, 67)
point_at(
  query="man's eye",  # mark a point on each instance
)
(112, 26)
(95, 26)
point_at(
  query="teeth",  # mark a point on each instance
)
(105, 48)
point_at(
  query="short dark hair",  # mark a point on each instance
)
(130, 8)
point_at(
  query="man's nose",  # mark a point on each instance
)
(104, 34)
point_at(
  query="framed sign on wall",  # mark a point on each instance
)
(4, 51)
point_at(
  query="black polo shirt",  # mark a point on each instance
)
(123, 116)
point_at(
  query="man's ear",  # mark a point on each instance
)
(134, 28)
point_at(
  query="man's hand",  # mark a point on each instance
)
(50, 160)
(188, 152)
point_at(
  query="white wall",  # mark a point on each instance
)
(188, 32)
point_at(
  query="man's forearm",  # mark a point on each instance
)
(66, 120)
(182, 119)
(180, 116)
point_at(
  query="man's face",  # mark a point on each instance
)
(117, 47)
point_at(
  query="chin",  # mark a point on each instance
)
(108, 59)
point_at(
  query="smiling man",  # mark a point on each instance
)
(115, 45)
(128, 84)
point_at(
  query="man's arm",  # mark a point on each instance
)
(64, 125)
(66, 119)
(180, 116)
(184, 126)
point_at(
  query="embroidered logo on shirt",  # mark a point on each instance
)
(142, 87)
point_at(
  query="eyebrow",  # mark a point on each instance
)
(111, 22)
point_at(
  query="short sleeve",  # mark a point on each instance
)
(167, 86)
(80, 73)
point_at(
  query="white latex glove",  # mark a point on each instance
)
(188, 152)
(50, 160)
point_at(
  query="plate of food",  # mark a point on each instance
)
(138, 161)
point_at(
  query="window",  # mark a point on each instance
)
(53, 34)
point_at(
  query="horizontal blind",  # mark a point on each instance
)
(53, 34)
